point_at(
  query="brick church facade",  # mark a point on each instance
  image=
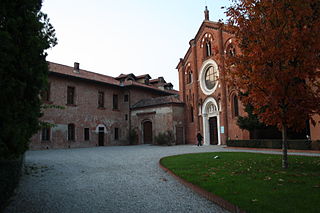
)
(211, 106)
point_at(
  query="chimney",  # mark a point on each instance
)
(76, 67)
(206, 14)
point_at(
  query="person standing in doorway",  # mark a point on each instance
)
(199, 138)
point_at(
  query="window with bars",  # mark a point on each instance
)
(45, 134)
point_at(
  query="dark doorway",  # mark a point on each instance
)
(101, 136)
(213, 128)
(179, 135)
(147, 132)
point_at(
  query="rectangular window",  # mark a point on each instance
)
(126, 117)
(116, 133)
(101, 99)
(45, 136)
(115, 101)
(126, 98)
(70, 95)
(86, 134)
(45, 95)
(71, 132)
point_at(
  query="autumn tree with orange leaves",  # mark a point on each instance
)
(278, 66)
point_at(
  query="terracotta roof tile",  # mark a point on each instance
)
(67, 70)
(172, 99)
(134, 83)
(83, 74)
(143, 76)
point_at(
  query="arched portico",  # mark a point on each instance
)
(211, 122)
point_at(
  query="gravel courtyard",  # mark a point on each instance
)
(106, 179)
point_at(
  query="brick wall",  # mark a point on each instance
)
(85, 113)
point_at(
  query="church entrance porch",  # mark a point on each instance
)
(211, 122)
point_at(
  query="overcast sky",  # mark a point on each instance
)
(127, 36)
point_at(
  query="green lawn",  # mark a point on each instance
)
(254, 182)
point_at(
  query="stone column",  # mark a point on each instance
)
(206, 133)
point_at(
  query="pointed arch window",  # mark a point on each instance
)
(206, 44)
(208, 51)
(231, 51)
(189, 77)
(235, 106)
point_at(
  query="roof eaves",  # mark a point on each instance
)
(81, 78)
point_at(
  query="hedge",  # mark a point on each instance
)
(10, 172)
(275, 144)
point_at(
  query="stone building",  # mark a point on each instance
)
(211, 106)
(100, 110)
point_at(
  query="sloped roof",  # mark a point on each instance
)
(121, 76)
(157, 80)
(143, 76)
(172, 99)
(69, 71)
(87, 75)
(205, 24)
(137, 84)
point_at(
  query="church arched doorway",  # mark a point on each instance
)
(213, 130)
(211, 123)
(147, 132)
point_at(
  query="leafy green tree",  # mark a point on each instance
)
(25, 34)
(251, 121)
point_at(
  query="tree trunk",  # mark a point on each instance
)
(284, 147)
